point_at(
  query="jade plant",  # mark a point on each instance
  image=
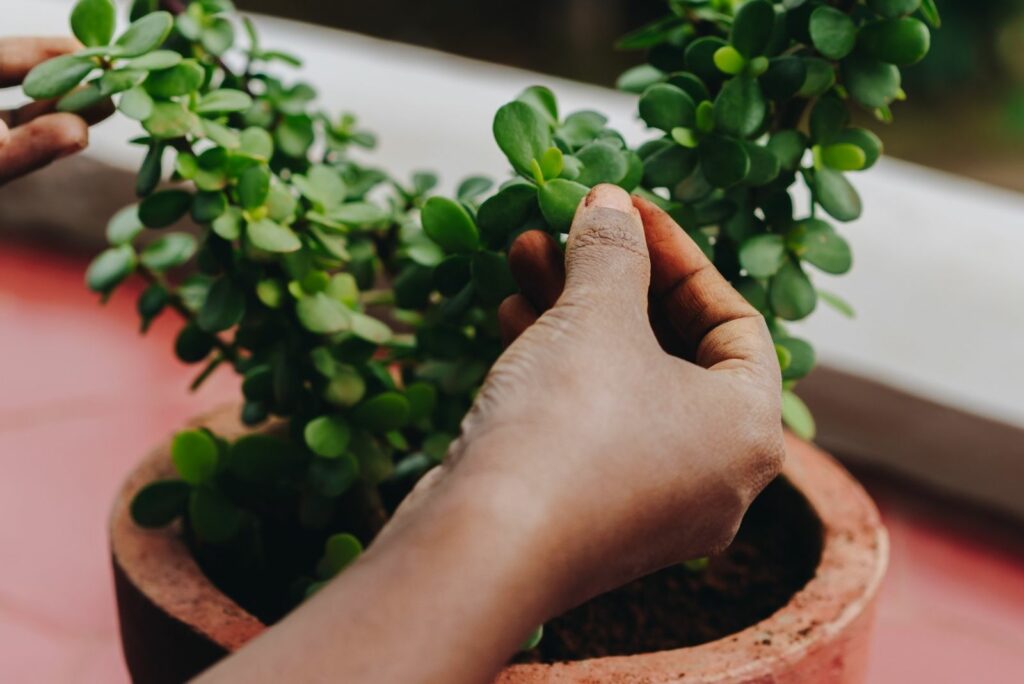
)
(361, 311)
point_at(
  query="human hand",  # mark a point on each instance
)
(594, 422)
(34, 135)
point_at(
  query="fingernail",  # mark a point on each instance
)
(609, 197)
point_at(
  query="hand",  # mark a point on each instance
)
(32, 136)
(591, 456)
(591, 421)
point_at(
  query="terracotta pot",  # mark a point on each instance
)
(175, 623)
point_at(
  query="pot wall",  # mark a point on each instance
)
(175, 623)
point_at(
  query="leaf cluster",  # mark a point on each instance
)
(361, 311)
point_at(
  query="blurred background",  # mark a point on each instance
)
(965, 112)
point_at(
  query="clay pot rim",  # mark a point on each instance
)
(853, 562)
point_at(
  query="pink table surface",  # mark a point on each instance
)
(84, 397)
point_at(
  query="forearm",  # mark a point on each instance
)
(447, 596)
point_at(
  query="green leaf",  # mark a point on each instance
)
(829, 116)
(208, 206)
(156, 60)
(80, 98)
(551, 163)
(651, 34)
(790, 293)
(163, 208)
(144, 35)
(181, 79)
(328, 436)
(109, 268)
(119, 80)
(223, 308)
(788, 146)
(543, 101)
(472, 187)
(272, 237)
(665, 107)
(294, 135)
(820, 77)
(533, 640)
(214, 519)
(168, 251)
(724, 161)
(833, 32)
(322, 185)
(762, 255)
(385, 412)
(835, 195)
(837, 303)
(170, 120)
(93, 21)
(370, 329)
(814, 241)
(340, 550)
(700, 58)
(159, 503)
(422, 399)
(262, 458)
(253, 187)
(740, 107)
(322, 314)
(729, 60)
(558, 201)
(333, 477)
(784, 78)
(797, 416)
(668, 166)
(868, 142)
(931, 13)
(136, 104)
(903, 41)
(218, 37)
(194, 454)
(582, 127)
(522, 134)
(752, 27)
(228, 225)
(124, 226)
(56, 76)
(357, 214)
(801, 357)
(223, 101)
(448, 224)
(192, 344)
(602, 162)
(257, 142)
(871, 82)
(639, 78)
(764, 165)
(505, 212)
(843, 157)
(492, 277)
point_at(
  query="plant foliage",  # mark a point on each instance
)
(360, 311)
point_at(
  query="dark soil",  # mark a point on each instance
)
(773, 556)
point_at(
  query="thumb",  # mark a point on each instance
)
(606, 261)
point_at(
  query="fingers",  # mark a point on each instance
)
(606, 259)
(701, 306)
(538, 267)
(19, 55)
(33, 110)
(515, 315)
(40, 142)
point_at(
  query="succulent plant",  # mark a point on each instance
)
(361, 312)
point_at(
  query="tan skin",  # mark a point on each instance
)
(629, 424)
(34, 135)
(595, 453)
